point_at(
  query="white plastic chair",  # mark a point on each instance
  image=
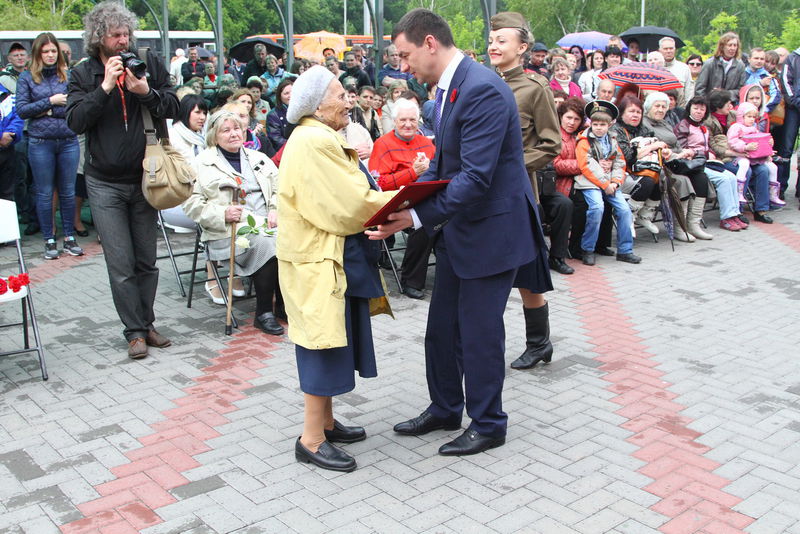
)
(9, 232)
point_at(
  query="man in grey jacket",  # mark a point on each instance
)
(723, 71)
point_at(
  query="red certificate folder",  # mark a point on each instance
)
(407, 197)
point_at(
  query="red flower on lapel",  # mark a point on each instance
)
(453, 95)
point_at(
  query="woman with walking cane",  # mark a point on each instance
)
(232, 184)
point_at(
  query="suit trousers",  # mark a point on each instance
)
(415, 260)
(126, 224)
(465, 341)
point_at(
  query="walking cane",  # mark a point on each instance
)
(229, 311)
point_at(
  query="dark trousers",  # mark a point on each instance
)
(465, 341)
(784, 143)
(8, 173)
(579, 224)
(24, 188)
(126, 224)
(415, 260)
(558, 212)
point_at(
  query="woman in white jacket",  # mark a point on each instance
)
(588, 80)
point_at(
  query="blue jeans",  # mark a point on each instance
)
(727, 192)
(594, 214)
(758, 182)
(54, 164)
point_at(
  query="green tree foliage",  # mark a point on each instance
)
(720, 24)
(43, 14)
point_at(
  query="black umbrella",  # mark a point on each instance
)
(203, 53)
(243, 51)
(648, 36)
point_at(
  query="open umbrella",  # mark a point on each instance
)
(648, 36)
(312, 45)
(586, 40)
(243, 50)
(644, 75)
(203, 53)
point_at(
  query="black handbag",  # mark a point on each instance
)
(687, 166)
(546, 178)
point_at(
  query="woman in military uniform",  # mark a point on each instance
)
(509, 39)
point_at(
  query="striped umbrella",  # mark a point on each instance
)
(644, 75)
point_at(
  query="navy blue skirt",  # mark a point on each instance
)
(329, 372)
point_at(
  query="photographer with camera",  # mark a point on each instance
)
(106, 95)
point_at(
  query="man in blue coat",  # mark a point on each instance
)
(483, 226)
(10, 134)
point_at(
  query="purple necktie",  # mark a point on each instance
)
(437, 109)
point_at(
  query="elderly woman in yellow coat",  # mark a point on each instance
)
(328, 268)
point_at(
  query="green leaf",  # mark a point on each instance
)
(244, 230)
(251, 220)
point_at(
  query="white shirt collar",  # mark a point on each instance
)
(447, 76)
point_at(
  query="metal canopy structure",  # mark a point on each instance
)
(286, 15)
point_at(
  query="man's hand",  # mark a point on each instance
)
(363, 151)
(114, 70)
(137, 86)
(421, 164)
(397, 221)
(7, 139)
(272, 219)
(233, 213)
(59, 99)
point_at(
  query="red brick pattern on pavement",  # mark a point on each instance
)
(691, 494)
(47, 269)
(129, 503)
(783, 233)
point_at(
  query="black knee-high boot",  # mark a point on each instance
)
(538, 347)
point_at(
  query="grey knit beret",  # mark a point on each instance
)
(308, 92)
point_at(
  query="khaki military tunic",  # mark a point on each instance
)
(541, 135)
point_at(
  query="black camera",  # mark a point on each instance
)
(131, 61)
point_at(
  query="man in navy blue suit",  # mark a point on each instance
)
(483, 226)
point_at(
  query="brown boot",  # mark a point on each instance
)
(154, 339)
(137, 348)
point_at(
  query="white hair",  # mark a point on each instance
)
(652, 98)
(656, 58)
(179, 52)
(404, 103)
(664, 40)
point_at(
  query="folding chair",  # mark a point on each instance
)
(171, 252)
(9, 231)
(198, 245)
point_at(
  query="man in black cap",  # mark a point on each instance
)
(17, 64)
(536, 63)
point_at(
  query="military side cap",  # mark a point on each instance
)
(508, 19)
(540, 47)
(601, 105)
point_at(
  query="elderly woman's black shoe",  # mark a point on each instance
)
(266, 322)
(327, 457)
(345, 434)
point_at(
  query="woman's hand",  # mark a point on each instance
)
(363, 151)
(257, 130)
(233, 213)
(421, 164)
(59, 99)
(272, 219)
(666, 153)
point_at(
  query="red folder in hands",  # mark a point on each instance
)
(407, 197)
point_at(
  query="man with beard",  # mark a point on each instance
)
(105, 103)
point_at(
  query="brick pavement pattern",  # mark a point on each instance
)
(671, 406)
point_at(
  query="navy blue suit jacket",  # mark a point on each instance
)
(485, 212)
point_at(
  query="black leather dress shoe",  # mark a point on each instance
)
(345, 434)
(604, 251)
(426, 422)
(413, 293)
(588, 258)
(470, 442)
(762, 218)
(327, 457)
(82, 233)
(560, 266)
(266, 322)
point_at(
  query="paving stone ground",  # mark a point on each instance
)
(672, 405)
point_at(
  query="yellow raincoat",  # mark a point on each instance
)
(323, 197)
